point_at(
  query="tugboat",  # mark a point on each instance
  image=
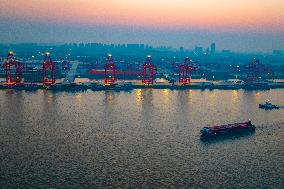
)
(268, 106)
(226, 130)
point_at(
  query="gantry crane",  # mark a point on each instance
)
(185, 71)
(48, 66)
(18, 66)
(109, 71)
(148, 71)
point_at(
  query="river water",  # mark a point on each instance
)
(140, 139)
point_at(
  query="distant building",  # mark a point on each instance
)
(207, 51)
(134, 46)
(198, 50)
(225, 52)
(278, 52)
(213, 48)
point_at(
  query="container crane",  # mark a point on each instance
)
(109, 71)
(253, 69)
(48, 66)
(148, 71)
(185, 70)
(18, 66)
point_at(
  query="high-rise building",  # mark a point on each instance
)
(213, 48)
(207, 51)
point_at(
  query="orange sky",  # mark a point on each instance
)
(248, 15)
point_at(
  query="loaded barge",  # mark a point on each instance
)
(226, 130)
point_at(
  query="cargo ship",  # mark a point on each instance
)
(226, 130)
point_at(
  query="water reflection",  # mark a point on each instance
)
(147, 104)
(138, 97)
(14, 99)
(257, 96)
(78, 97)
(48, 97)
(109, 97)
(234, 101)
(166, 96)
(213, 97)
(126, 140)
(190, 95)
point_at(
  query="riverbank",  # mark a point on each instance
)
(130, 86)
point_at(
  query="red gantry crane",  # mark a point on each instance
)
(253, 69)
(109, 71)
(48, 67)
(18, 67)
(148, 71)
(185, 71)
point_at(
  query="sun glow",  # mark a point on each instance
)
(178, 14)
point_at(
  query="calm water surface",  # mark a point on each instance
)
(144, 139)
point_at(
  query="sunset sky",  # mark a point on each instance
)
(240, 25)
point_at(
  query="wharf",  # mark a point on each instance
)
(130, 86)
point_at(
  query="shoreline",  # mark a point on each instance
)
(129, 87)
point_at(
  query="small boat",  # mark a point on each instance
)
(268, 105)
(226, 130)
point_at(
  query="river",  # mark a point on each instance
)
(146, 138)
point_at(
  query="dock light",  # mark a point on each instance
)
(149, 56)
(47, 54)
(109, 57)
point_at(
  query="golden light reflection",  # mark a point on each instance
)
(166, 96)
(235, 96)
(109, 98)
(190, 96)
(49, 98)
(78, 97)
(138, 95)
(235, 101)
(212, 98)
(257, 96)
